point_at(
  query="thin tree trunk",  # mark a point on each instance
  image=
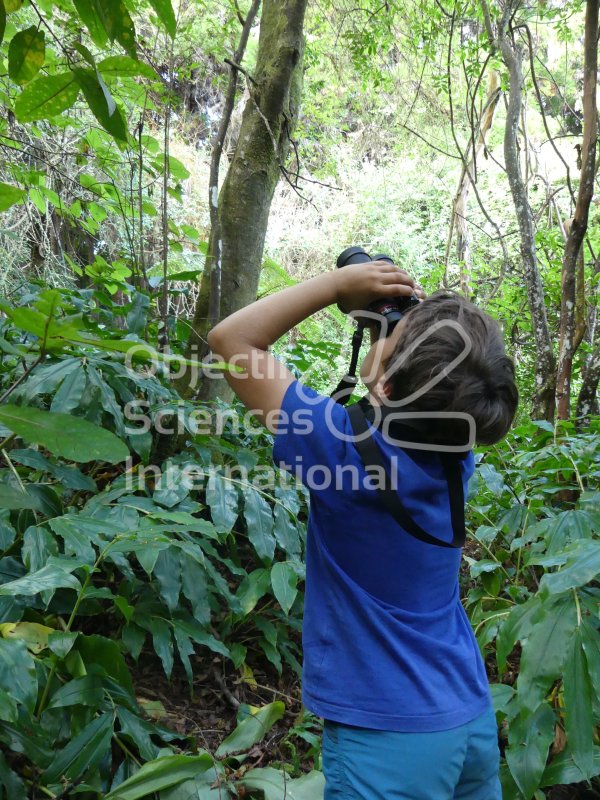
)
(245, 198)
(545, 377)
(467, 177)
(578, 227)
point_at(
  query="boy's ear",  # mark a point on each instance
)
(383, 388)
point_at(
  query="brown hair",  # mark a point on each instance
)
(482, 384)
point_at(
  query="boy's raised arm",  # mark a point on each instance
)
(244, 337)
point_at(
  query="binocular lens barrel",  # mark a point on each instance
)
(358, 255)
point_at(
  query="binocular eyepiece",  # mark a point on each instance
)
(391, 309)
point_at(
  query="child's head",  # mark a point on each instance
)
(480, 383)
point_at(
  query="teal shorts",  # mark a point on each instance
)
(457, 764)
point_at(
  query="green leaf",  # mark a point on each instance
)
(139, 731)
(64, 435)
(530, 736)
(125, 67)
(167, 571)
(254, 586)
(284, 580)
(545, 650)
(107, 654)
(563, 770)
(286, 532)
(55, 575)
(160, 774)
(578, 707)
(163, 642)
(194, 585)
(101, 103)
(10, 195)
(14, 498)
(89, 17)
(582, 566)
(47, 96)
(117, 23)
(84, 752)
(18, 677)
(517, 626)
(275, 784)
(252, 729)
(61, 642)
(85, 691)
(26, 54)
(221, 497)
(14, 786)
(165, 13)
(259, 522)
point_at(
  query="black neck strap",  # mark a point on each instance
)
(372, 456)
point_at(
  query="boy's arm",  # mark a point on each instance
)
(244, 337)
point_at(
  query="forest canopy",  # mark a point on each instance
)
(163, 163)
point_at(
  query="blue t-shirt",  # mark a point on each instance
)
(387, 644)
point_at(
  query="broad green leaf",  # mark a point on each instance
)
(167, 571)
(160, 774)
(200, 636)
(563, 770)
(286, 532)
(125, 67)
(33, 634)
(84, 752)
(12, 5)
(117, 23)
(284, 581)
(163, 642)
(89, 17)
(101, 103)
(18, 677)
(501, 696)
(14, 786)
(64, 435)
(545, 650)
(2, 21)
(139, 731)
(26, 54)
(517, 626)
(582, 566)
(14, 497)
(194, 585)
(85, 691)
(38, 546)
(530, 736)
(221, 497)
(68, 397)
(61, 642)
(107, 654)
(252, 729)
(165, 13)
(275, 784)
(10, 195)
(55, 575)
(577, 688)
(254, 586)
(185, 649)
(259, 522)
(46, 96)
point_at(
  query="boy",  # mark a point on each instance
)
(390, 659)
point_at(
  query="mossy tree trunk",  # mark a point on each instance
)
(245, 199)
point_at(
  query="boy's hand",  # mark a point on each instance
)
(358, 285)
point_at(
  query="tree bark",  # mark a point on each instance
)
(245, 198)
(578, 227)
(545, 376)
(458, 219)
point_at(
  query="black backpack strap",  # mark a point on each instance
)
(371, 455)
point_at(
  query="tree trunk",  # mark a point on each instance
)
(545, 376)
(467, 177)
(245, 198)
(578, 227)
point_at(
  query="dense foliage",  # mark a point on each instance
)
(174, 545)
